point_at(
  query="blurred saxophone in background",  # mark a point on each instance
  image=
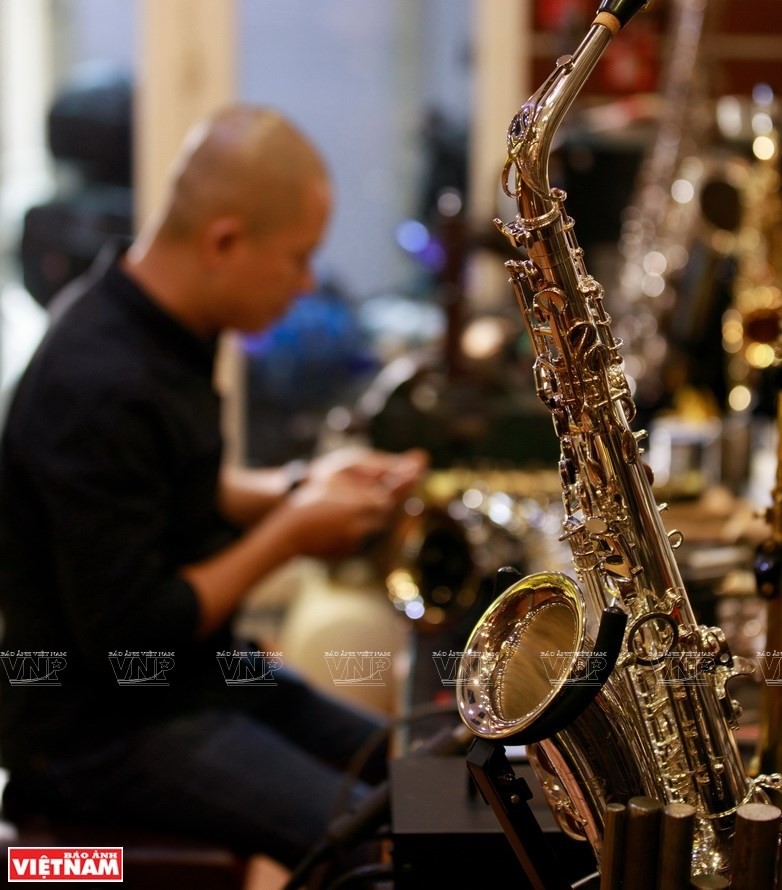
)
(768, 574)
(751, 327)
(681, 220)
(752, 337)
(661, 208)
(613, 685)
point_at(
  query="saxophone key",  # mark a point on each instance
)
(596, 525)
(676, 538)
(513, 233)
(629, 447)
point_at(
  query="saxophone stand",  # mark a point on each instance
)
(508, 796)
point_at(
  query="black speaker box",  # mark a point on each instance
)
(445, 836)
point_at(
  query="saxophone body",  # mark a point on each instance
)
(661, 723)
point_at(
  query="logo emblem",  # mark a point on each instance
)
(34, 668)
(141, 668)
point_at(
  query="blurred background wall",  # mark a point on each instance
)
(360, 80)
(405, 97)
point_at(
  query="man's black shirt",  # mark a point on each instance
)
(108, 477)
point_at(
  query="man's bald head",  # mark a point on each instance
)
(244, 161)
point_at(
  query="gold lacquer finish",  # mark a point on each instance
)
(661, 725)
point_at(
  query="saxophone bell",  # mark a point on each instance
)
(530, 669)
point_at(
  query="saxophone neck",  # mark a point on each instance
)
(532, 130)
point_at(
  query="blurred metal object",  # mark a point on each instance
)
(456, 531)
(431, 572)
(708, 882)
(752, 337)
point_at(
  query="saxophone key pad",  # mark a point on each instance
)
(596, 525)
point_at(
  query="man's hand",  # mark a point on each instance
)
(397, 473)
(332, 517)
(347, 496)
(246, 495)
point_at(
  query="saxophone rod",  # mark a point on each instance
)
(642, 842)
(612, 862)
(755, 847)
(676, 839)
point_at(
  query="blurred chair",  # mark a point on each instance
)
(89, 135)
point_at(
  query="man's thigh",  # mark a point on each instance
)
(332, 730)
(221, 775)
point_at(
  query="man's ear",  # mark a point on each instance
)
(220, 237)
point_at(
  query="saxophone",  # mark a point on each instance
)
(611, 683)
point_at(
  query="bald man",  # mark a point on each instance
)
(126, 548)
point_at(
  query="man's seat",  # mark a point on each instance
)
(151, 861)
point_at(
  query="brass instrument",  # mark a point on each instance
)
(429, 567)
(607, 711)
